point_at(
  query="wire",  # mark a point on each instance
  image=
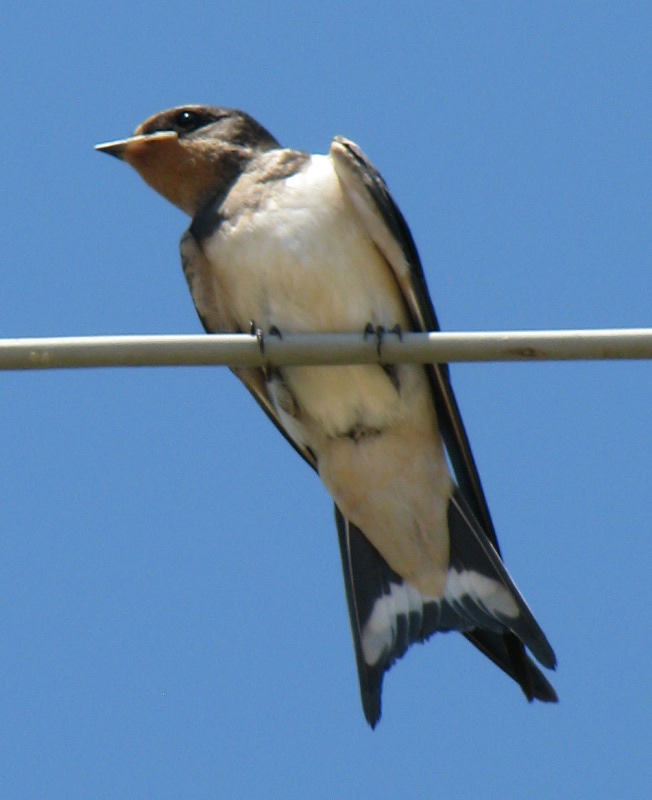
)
(238, 350)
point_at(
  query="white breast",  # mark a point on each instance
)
(303, 262)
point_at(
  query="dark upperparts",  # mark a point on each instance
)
(211, 122)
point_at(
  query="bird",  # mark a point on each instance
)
(283, 241)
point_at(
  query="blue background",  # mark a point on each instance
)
(172, 614)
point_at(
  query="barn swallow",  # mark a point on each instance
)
(284, 241)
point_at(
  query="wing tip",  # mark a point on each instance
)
(371, 705)
(540, 688)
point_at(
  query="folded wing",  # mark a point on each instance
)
(479, 592)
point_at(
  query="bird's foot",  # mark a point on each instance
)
(254, 330)
(260, 338)
(379, 332)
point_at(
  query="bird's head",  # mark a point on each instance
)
(190, 153)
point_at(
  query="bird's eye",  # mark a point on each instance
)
(188, 120)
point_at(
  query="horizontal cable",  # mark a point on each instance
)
(242, 350)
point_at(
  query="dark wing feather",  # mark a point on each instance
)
(388, 229)
(197, 270)
(363, 183)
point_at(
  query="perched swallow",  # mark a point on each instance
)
(285, 241)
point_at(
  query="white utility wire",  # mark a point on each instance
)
(239, 350)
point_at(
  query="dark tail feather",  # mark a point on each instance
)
(500, 649)
(480, 588)
(388, 614)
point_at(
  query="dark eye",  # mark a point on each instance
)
(188, 120)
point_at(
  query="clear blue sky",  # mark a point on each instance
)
(172, 614)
